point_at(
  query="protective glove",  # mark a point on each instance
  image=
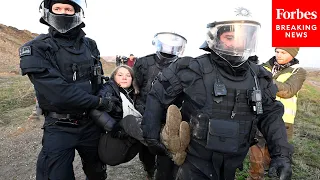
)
(118, 132)
(156, 147)
(280, 167)
(175, 135)
(107, 103)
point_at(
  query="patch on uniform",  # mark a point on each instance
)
(25, 51)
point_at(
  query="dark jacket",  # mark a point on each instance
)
(60, 69)
(185, 77)
(107, 119)
(145, 71)
(110, 88)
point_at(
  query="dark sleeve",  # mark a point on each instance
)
(49, 82)
(95, 51)
(102, 119)
(138, 71)
(167, 87)
(292, 85)
(270, 122)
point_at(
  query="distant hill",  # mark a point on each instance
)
(109, 58)
(11, 39)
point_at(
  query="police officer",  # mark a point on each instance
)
(168, 46)
(64, 67)
(226, 99)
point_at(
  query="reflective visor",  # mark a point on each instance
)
(170, 43)
(235, 39)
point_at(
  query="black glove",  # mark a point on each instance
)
(118, 132)
(156, 147)
(102, 119)
(107, 103)
(280, 167)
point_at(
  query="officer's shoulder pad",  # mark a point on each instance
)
(37, 43)
(264, 73)
(92, 43)
(183, 62)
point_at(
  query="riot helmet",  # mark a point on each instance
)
(233, 38)
(169, 46)
(62, 22)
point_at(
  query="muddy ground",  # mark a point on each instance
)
(20, 143)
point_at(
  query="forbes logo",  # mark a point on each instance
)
(283, 14)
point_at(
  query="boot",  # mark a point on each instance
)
(259, 162)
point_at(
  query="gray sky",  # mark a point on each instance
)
(126, 26)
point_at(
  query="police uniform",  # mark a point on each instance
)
(64, 72)
(220, 105)
(146, 69)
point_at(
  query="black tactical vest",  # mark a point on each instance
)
(76, 67)
(150, 70)
(225, 123)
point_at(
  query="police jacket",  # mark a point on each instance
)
(146, 69)
(60, 66)
(225, 122)
(111, 89)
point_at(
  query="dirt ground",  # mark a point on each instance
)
(20, 143)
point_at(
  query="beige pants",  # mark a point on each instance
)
(260, 157)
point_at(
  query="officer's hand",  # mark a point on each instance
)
(118, 132)
(280, 167)
(156, 147)
(107, 103)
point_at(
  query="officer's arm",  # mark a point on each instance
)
(163, 92)
(49, 82)
(292, 85)
(270, 122)
(138, 71)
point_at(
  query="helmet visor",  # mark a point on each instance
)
(170, 43)
(235, 39)
(61, 22)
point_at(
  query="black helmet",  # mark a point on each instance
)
(62, 22)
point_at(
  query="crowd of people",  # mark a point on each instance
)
(123, 60)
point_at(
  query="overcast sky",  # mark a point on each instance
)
(126, 26)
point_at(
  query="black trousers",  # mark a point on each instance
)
(148, 160)
(204, 164)
(166, 169)
(58, 151)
